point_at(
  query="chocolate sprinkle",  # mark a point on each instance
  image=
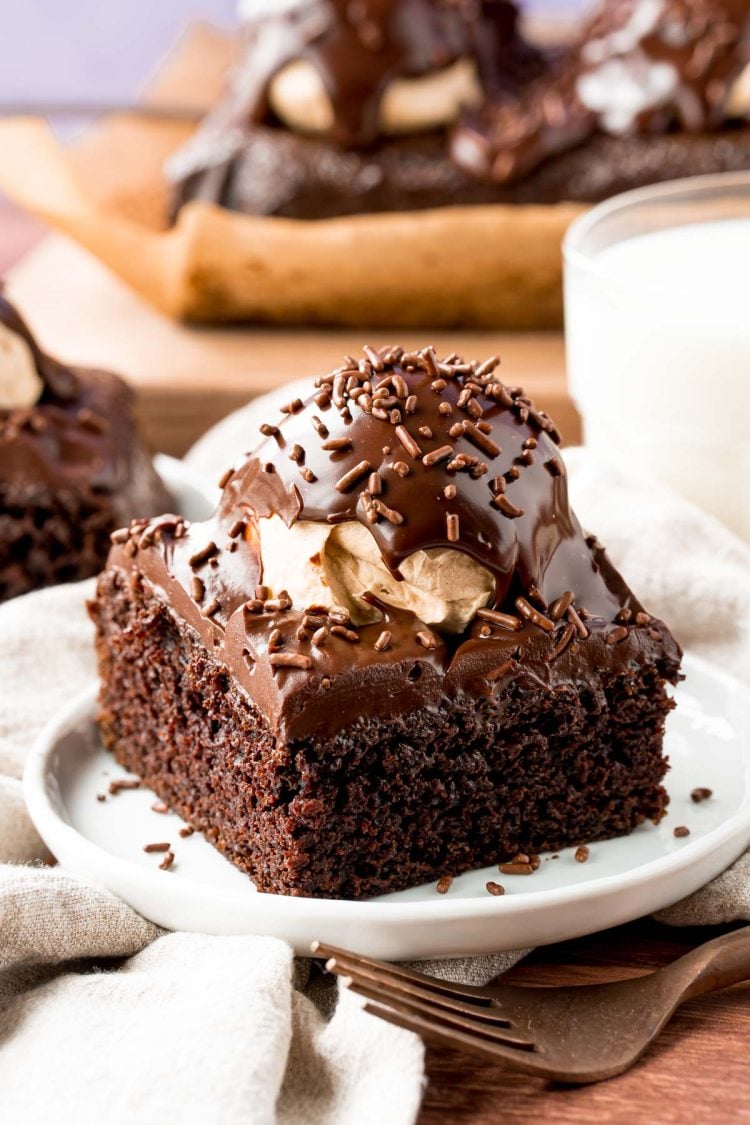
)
(560, 607)
(573, 616)
(383, 643)
(387, 513)
(516, 867)
(701, 794)
(349, 479)
(337, 445)
(527, 610)
(565, 639)
(290, 660)
(212, 608)
(481, 440)
(437, 455)
(616, 635)
(504, 620)
(121, 783)
(202, 556)
(408, 442)
(427, 639)
(349, 635)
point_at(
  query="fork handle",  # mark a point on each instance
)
(716, 964)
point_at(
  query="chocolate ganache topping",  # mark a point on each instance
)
(639, 66)
(358, 48)
(426, 458)
(74, 430)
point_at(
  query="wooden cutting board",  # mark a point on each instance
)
(188, 378)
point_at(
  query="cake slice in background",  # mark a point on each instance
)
(72, 467)
(341, 109)
(392, 654)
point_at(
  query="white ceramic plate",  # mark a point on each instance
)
(708, 741)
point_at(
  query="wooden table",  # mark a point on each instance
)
(187, 379)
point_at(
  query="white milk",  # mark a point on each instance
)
(658, 337)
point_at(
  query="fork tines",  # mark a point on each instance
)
(460, 1015)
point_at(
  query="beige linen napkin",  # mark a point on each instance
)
(188, 1028)
(104, 1017)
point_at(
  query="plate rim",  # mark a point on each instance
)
(52, 826)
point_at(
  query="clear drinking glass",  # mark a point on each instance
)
(657, 320)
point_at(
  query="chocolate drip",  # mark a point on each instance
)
(359, 48)
(60, 383)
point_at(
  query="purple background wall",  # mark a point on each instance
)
(67, 50)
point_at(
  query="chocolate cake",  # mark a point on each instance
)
(390, 105)
(392, 654)
(72, 468)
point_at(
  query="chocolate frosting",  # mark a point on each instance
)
(359, 48)
(424, 453)
(80, 435)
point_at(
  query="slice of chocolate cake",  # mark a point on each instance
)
(392, 654)
(71, 465)
(400, 105)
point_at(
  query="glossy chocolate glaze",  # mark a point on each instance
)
(508, 489)
(358, 49)
(80, 435)
(534, 111)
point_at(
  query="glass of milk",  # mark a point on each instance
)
(657, 320)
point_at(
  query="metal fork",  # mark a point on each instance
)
(584, 1033)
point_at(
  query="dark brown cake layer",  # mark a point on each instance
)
(47, 537)
(277, 172)
(387, 802)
